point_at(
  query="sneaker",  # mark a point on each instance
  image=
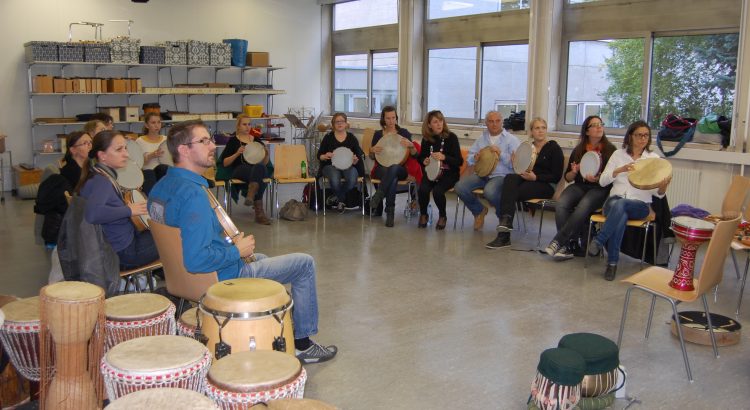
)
(594, 248)
(316, 353)
(332, 201)
(506, 224)
(552, 248)
(341, 207)
(563, 254)
(502, 241)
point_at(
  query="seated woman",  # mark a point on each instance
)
(580, 199)
(389, 176)
(150, 142)
(438, 144)
(232, 165)
(540, 182)
(337, 138)
(105, 205)
(78, 145)
(625, 201)
(93, 127)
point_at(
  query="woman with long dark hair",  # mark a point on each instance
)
(78, 145)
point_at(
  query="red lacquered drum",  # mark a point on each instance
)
(691, 232)
(243, 379)
(20, 336)
(138, 315)
(187, 323)
(155, 361)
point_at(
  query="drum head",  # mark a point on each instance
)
(22, 310)
(695, 328)
(189, 317)
(486, 163)
(155, 353)
(130, 177)
(590, 163)
(135, 153)
(393, 152)
(523, 158)
(432, 170)
(165, 157)
(693, 223)
(163, 398)
(251, 371)
(649, 172)
(245, 295)
(343, 158)
(135, 306)
(137, 197)
(72, 291)
(254, 153)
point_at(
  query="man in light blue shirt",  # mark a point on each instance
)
(502, 143)
(180, 199)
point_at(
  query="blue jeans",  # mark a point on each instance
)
(573, 209)
(299, 270)
(389, 178)
(334, 176)
(618, 210)
(493, 190)
(140, 251)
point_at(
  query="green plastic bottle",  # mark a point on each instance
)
(303, 167)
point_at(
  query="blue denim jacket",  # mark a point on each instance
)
(180, 200)
(507, 144)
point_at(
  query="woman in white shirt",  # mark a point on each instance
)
(625, 201)
(153, 169)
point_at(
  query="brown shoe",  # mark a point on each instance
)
(479, 219)
(422, 221)
(252, 189)
(260, 215)
(440, 225)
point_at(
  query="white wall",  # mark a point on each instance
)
(288, 29)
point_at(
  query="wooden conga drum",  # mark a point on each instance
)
(249, 313)
(163, 398)
(138, 315)
(72, 329)
(243, 379)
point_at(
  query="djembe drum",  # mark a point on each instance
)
(692, 233)
(557, 384)
(72, 329)
(13, 388)
(187, 323)
(138, 315)
(243, 379)
(20, 336)
(163, 398)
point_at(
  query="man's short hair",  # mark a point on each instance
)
(181, 134)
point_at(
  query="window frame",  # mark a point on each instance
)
(370, 96)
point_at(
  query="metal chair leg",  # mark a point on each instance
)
(650, 316)
(742, 285)
(180, 307)
(734, 261)
(645, 244)
(455, 214)
(588, 240)
(682, 339)
(541, 222)
(710, 326)
(624, 315)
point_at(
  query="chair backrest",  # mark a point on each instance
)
(288, 160)
(210, 173)
(465, 164)
(180, 282)
(366, 142)
(713, 262)
(736, 195)
(562, 183)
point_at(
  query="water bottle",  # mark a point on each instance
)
(303, 167)
(430, 215)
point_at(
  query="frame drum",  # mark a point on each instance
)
(137, 315)
(254, 153)
(433, 170)
(695, 328)
(165, 157)
(393, 152)
(486, 163)
(343, 158)
(135, 196)
(135, 152)
(524, 158)
(250, 313)
(649, 172)
(163, 398)
(591, 162)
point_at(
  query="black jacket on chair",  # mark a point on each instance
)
(632, 241)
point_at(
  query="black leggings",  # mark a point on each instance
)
(516, 189)
(252, 173)
(438, 189)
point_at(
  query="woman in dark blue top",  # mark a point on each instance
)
(337, 138)
(105, 205)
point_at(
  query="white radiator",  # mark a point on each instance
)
(684, 188)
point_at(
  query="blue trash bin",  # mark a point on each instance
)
(239, 51)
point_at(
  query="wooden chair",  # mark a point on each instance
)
(287, 170)
(655, 280)
(645, 224)
(549, 203)
(180, 282)
(734, 201)
(131, 276)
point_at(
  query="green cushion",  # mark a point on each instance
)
(601, 354)
(562, 366)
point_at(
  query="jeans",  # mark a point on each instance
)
(493, 190)
(573, 209)
(299, 270)
(334, 176)
(618, 210)
(140, 251)
(517, 189)
(389, 178)
(251, 173)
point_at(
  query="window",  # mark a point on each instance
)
(605, 78)
(351, 90)
(693, 76)
(451, 81)
(451, 8)
(504, 75)
(364, 13)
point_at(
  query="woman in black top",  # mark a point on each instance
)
(78, 145)
(540, 182)
(580, 199)
(438, 144)
(233, 165)
(340, 137)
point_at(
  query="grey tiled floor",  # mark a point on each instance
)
(427, 319)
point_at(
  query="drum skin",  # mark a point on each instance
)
(165, 157)
(343, 158)
(393, 152)
(591, 162)
(695, 328)
(433, 170)
(524, 158)
(649, 172)
(486, 163)
(692, 228)
(254, 371)
(163, 398)
(254, 153)
(250, 296)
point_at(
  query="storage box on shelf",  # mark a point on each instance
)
(175, 52)
(124, 50)
(96, 52)
(71, 52)
(197, 53)
(152, 55)
(41, 51)
(257, 59)
(220, 54)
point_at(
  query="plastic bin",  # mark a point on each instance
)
(239, 51)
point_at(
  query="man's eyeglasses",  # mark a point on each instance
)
(204, 141)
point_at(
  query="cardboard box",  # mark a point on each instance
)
(69, 86)
(43, 84)
(129, 114)
(27, 176)
(89, 88)
(257, 59)
(58, 84)
(116, 85)
(113, 111)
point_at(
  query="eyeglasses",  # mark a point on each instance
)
(643, 135)
(204, 141)
(596, 125)
(82, 144)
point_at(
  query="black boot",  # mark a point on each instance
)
(610, 273)
(506, 223)
(389, 216)
(501, 241)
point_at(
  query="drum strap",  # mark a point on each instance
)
(279, 343)
(218, 210)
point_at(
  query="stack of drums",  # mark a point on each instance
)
(163, 398)
(243, 379)
(20, 336)
(602, 359)
(138, 315)
(557, 384)
(155, 362)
